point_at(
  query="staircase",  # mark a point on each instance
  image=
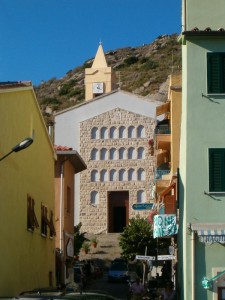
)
(107, 248)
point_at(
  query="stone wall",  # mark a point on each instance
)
(137, 163)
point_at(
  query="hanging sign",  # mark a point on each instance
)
(142, 206)
(164, 225)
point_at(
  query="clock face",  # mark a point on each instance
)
(97, 87)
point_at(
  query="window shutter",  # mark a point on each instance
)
(216, 73)
(213, 64)
(216, 170)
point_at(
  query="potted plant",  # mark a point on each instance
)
(86, 247)
(94, 242)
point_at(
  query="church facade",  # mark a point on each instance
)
(111, 130)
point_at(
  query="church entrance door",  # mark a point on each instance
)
(118, 211)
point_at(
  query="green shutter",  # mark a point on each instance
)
(217, 170)
(213, 73)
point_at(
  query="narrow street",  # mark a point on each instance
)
(115, 289)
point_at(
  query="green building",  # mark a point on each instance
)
(201, 263)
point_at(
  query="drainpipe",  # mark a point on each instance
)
(193, 264)
(61, 204)
(60, 207)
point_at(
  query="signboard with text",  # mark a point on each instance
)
(144, 257)
(166, 257)
(142, 206)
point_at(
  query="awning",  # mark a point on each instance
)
(210, 232)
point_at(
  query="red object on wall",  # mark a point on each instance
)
(151, 216)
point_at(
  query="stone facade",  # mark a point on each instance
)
(115, 147)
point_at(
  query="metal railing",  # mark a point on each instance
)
(162, 129)
(160, 173)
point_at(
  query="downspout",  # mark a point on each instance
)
(193, 264)
(60, 206)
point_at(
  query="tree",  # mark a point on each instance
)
(138, 235)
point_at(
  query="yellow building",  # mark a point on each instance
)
(168, 146)
(26, 194)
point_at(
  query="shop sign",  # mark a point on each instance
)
(164, 225)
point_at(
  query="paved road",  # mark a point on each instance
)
(118, 290)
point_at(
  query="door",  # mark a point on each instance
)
(119, 218)
(118, 211)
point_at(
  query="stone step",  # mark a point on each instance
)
(107, 248)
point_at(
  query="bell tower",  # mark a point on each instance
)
(99, 79)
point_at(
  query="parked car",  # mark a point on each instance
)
(89, 295)
(118, 272)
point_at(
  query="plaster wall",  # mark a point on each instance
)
(203, 14)
(202, 123)
(27, 258)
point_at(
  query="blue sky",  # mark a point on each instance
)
(42, 39)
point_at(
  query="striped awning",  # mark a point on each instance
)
(210, 232)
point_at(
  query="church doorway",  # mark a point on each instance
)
(118, 211)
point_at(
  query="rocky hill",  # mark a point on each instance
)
(141, 70)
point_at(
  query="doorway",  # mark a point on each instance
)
(118, 211)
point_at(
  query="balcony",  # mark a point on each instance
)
(159, 173)
(162, 129)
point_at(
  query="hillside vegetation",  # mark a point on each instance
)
(141, 70)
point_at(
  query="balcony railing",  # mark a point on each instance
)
(162, 129)
(160, 173)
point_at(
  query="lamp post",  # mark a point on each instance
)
(22, 145)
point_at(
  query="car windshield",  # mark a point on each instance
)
(119, 267)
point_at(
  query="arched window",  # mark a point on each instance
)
(94, 175)
(112, 132)
(141, 196)
(141, 174)
(94, 198)
(122, 134)
(103, 133)
(112, 153)
(141, 131)
(103, 175)
(131, 176)
(122, 174)
(103, 153)
(112, 175)
(94, 154)
(122, 153)
(131, 153)
(94, 133)
(131, 132)
(141, 153)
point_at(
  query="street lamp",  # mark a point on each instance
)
(22, 145)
